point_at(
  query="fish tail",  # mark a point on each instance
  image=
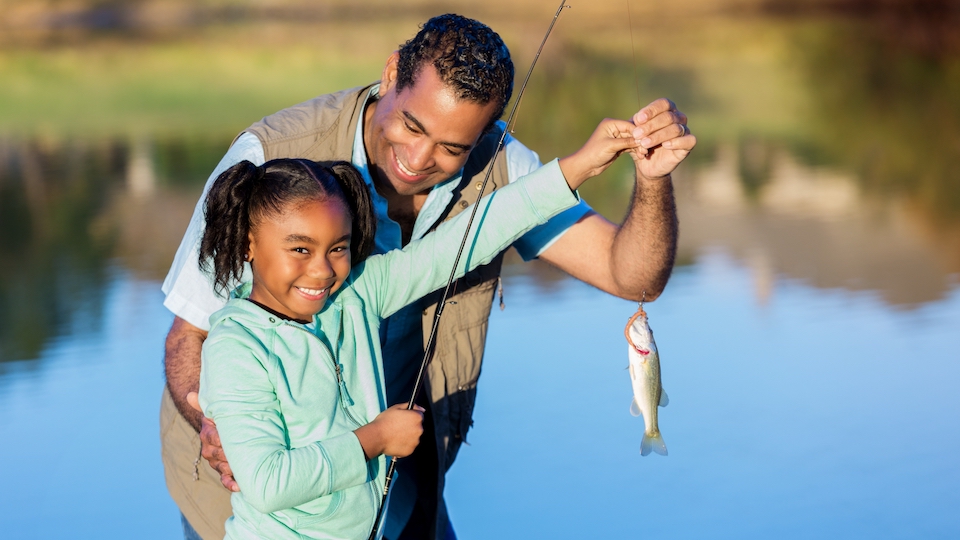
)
(653, 443)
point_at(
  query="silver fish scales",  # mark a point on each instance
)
(644, 369)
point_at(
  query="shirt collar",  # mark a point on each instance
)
(388, 232)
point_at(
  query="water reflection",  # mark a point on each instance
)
(816, 225)
(862, 195)
(887, 98)
(68, 209)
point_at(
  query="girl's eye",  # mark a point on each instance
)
(340, 249)
(302, 250)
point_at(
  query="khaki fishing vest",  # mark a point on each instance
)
(323, 129)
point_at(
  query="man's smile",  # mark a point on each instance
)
(405, 171)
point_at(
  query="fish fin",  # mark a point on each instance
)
(664, 400)
(634, 408)
(652, 443)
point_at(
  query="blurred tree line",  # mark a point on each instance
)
(881, 80)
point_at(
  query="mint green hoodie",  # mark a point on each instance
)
(286, 399)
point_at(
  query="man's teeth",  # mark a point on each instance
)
(404, 170)
(312, 292)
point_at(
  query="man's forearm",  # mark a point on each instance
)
(182, 366)
(645, 247)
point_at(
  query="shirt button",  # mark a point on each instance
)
(479, 186)
(272, 320)
(464, 204)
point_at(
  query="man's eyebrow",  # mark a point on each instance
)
(423, 129)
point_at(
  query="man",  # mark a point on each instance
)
(424, 154)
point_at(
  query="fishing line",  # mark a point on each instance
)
(428, 348)
(633, 49)
(636, 78)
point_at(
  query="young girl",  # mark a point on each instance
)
(292, 372)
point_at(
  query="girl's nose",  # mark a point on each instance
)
(322, 269)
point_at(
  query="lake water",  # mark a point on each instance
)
(810, 334)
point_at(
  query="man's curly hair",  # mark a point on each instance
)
(469, 57)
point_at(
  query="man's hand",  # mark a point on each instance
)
(210, 447)
(664, 138)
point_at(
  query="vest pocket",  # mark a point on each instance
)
(473, 306)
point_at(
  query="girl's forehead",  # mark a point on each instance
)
(310, 217)
(304, 206)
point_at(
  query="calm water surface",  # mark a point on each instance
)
(810, 335)
(813, 413)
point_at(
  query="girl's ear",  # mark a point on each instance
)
(248, 256)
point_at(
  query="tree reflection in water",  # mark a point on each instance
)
(72, 210)
(862, 194)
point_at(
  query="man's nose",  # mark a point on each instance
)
(420, 155)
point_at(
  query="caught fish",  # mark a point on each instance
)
(645, 376)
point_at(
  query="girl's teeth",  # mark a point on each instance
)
(312, 292)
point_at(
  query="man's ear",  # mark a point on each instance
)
(389, 77)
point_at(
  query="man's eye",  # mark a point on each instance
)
(454, 152)
(410, 128)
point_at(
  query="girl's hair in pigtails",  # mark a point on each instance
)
(227, 212)
(356, 195)
(245, 194)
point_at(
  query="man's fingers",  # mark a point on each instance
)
(660, 121)
(687, 142)
(654, 109)
(661, 129)
(229, 483)
(226, 478)
(213, 454)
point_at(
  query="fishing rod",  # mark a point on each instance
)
(428, 348)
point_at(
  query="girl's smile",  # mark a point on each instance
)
(300, 256)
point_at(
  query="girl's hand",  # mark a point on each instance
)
(394, 432)
(611, 138)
